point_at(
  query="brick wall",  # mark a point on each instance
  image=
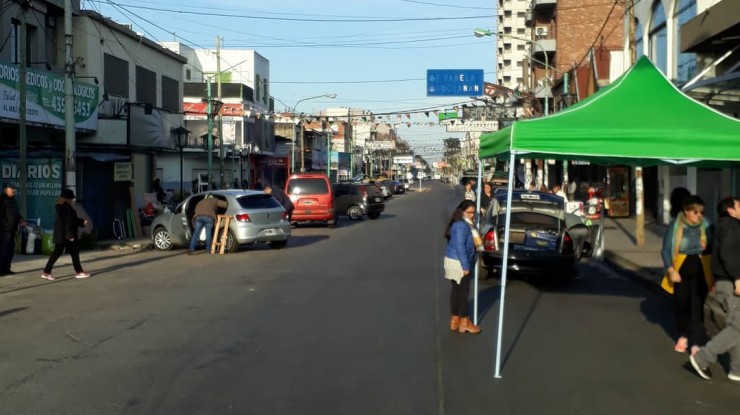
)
(578, 23)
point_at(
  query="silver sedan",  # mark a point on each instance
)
(255, 217)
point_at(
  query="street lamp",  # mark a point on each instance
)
(483, 32)
(292, 161)
(181, 136)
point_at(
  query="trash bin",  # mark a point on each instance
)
(47, 246)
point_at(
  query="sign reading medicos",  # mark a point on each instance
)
(454, 82)
(45, 98)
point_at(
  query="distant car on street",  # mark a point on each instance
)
(357, 200)
(256, 217)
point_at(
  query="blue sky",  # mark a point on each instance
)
(317, 47)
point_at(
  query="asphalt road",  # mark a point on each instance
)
(351, 320)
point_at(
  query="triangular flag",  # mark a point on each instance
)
(426, 113)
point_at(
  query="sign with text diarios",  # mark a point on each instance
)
(45, 98)
(43, 185)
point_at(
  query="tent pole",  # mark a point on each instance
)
(504, 265)
(478, 216)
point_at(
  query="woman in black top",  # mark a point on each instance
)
(65, 235)
(486, 196)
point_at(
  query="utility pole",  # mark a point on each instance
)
(70, 144)
(22, 138)
(222, 182)
(639, 186)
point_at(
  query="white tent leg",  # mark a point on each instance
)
(476, 270)
(504, 267)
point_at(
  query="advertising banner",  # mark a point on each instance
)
(45, 98)
(44, 184)
(403, 160)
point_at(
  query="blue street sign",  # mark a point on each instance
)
(454, 82)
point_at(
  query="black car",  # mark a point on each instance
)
(356, 200)
(542, 237)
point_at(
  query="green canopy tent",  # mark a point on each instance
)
(641, 119)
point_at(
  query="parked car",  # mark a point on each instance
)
(256, 217)
(398, 187)
(356, 200)
(542, 237)
(313, 198)
(389, 186)
(384, 188)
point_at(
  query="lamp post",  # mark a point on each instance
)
(483, 32)
(181, 135)
(292, 159)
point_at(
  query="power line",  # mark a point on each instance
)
(305, 20)
(448, 5)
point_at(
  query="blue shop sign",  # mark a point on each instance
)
(454, 82)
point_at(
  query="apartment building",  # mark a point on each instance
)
(512, 40)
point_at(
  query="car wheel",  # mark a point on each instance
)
(354, 213)
(278, 244)
(231, 243)
(162, 239)
(374, 215)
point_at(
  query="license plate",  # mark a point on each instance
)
(377, 199)
(309, 202)
(270, 232)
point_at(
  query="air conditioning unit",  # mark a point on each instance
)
(541, 31)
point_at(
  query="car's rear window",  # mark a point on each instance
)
(530, 219)
(307, 187)
(258, 202)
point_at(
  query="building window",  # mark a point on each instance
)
(658, 37)
(521, 15)
(146, 86)
(507, 13)
(507, 63)
(639, 41)
(507, 30)
(521, 31)
(115, 73)
(521, 47)
(188, 74)
(685, 62)
(14, 39)
(507, 46)
(519, 64)
(170, 94)
(507, 79)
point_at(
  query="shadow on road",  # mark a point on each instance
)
(298, 241)
(11, 311)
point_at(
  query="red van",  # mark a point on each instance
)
(313, 198)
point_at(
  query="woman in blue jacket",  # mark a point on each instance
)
(458, 263)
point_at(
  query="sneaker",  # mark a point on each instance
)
(701, 371)
(82, 275)
(47, 276)
(733, 377)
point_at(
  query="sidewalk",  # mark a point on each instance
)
(622, 252)
(106, 249)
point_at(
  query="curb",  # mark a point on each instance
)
(625, 267)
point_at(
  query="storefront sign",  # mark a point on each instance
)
(122, 172)
(45, 98)
(43, 185)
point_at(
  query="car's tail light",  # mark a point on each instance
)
(567, 244)
(363, 192)
(286, 215)
(490, 241)
(242, 217)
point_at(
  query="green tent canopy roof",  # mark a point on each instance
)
(639, 119)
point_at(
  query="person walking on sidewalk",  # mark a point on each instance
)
(458, 263)
(469, 191)
(205, 217)
(688, 276)
(65, 235)
(10, 220)
(726, 271)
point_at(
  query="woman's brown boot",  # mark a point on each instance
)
(467, 326)
(454, 323)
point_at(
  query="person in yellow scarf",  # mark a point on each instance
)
(688, 274)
